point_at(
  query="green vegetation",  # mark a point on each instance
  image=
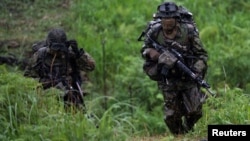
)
(123, 102)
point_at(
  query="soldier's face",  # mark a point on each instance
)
(168, 24)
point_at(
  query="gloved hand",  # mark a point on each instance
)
(167, 59)
(74, 46)
(151, 54)
(178, 45)
(200, 66)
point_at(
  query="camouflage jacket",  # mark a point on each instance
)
(187, 36)
(51, 69)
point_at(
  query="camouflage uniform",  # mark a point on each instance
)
(59, 69)
(182, 96)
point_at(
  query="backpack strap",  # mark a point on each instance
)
(186, 15)
(153, 30)
(191, 28)
(40, 62)
(38, 45)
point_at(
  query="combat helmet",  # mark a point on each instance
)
(57, 39)
(167, 10)
(56, 35)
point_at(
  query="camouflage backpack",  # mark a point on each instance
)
(36, 46)
(186, 15)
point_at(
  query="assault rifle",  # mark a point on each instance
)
(76, 83)
(180, 64)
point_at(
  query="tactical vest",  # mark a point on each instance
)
(53, 70)
(183, 37)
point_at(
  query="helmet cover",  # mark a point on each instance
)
(167, 10)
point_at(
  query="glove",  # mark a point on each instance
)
(74, 46)
(167, 59)
(151, 53)
(178, 45)
(200, 66)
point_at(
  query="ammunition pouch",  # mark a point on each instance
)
(151, 69)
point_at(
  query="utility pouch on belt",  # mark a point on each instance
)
(151, 69)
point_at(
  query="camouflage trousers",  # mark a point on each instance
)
(182, 108)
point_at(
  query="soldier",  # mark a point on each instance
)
(57, 62)
(182, 95)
